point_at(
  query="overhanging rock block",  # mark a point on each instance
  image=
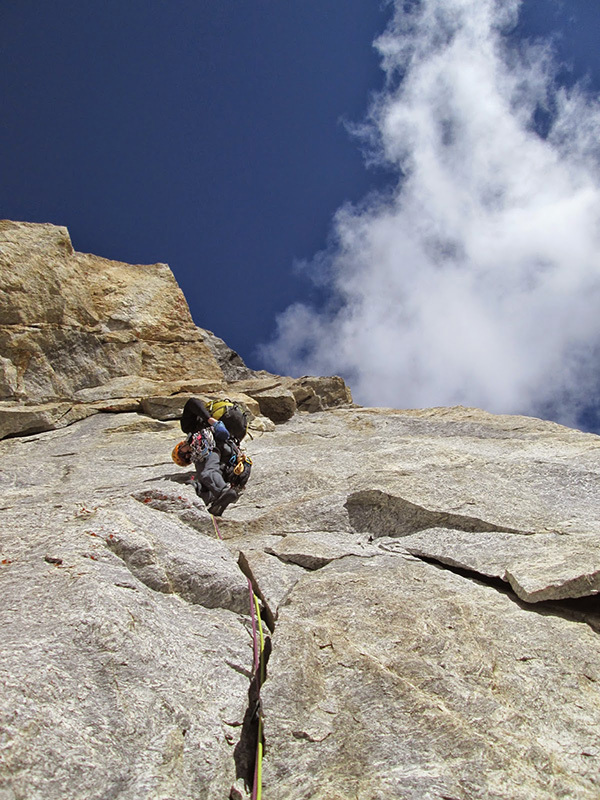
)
(278, 405)
(171, 407)
(274, 400)
(17, 419)
(331, 391)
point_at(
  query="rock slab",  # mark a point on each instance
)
(430, 637)
(429, 578)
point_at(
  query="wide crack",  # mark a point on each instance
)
(142, 559)
(245, 751)
(581, 609)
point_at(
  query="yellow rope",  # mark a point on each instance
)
(259, 748)
(259, 756)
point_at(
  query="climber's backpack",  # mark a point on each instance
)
(232, 415)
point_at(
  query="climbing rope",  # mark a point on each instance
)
(262, 638)
(253, 606)
(216, 527)
(258, 644)
(257, 789)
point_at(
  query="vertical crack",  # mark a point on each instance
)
(245, 751)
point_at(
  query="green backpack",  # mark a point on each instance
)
(232, 415)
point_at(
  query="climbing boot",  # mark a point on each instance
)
(227, 496)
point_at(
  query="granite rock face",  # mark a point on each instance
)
(125, 655)
(428, 579)
(391, 678)
(81, 334)
(71, 322)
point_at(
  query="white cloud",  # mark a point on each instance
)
(477, 279)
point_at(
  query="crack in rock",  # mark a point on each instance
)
(307, 561)
(272, 580)
(210, 578)
(545, 566)
(581, 609)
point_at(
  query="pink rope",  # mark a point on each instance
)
(254, 629)
(216, 527)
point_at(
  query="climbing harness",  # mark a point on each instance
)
(258, 644)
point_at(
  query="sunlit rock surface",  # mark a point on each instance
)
(429, 578)
(80, 334)
(72, 322)
(392, 678)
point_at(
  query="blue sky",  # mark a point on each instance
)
(204, 133)
(214, 135)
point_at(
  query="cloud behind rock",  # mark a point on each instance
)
(475, 279)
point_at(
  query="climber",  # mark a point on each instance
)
(197, 415)
(222, 469)
(211, 486)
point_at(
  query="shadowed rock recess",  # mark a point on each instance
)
(428, 578)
